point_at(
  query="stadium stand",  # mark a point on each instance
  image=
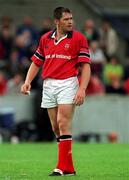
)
(40, 9)
(116, 6)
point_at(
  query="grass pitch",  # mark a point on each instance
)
(36, 161)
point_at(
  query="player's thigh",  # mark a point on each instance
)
(65, 114)
(52, 112)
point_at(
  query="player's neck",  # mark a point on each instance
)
(60, 34)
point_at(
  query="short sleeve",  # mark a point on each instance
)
(84, 55)
(38, 57)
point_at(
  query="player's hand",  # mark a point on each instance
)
(25, 88)
(79, 97)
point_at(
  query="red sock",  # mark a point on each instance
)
(65, 162)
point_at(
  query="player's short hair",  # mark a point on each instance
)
(59, 11)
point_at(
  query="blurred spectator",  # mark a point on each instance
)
(126, 86)
(22, 44)
(108, 39)
(47, 25)
(90, 31)
(25, 38)
(14, 84)
(6, 43)
(126, 77)
(113, 74)
(3, 84)
(95, 86)
(14, 65)
(115, 87)
(98, 58)
(29, 29)
(113, 70)
(7, 22)
(24, 48)
(2, 50)
(126, 70)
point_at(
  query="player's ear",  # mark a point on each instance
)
(56, 21)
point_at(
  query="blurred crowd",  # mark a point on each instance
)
(17, 45)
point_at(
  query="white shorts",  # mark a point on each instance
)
(59, 91)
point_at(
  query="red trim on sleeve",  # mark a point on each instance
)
(84, 59)
(36, 61)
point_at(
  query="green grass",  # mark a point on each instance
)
(92, 161)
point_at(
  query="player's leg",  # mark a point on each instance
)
(65, 93)
(52, 112)
(64, 118)
(49, 102)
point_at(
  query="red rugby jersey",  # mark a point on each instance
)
(60, 59)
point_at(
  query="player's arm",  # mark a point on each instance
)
(85, 61)
(85, 76)
(84, 80)
(38, 60)
(32, 72)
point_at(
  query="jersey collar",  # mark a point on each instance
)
(52, 34)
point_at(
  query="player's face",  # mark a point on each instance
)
(66, 22)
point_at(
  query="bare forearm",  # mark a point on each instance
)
(32, 72)
(85, 76)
